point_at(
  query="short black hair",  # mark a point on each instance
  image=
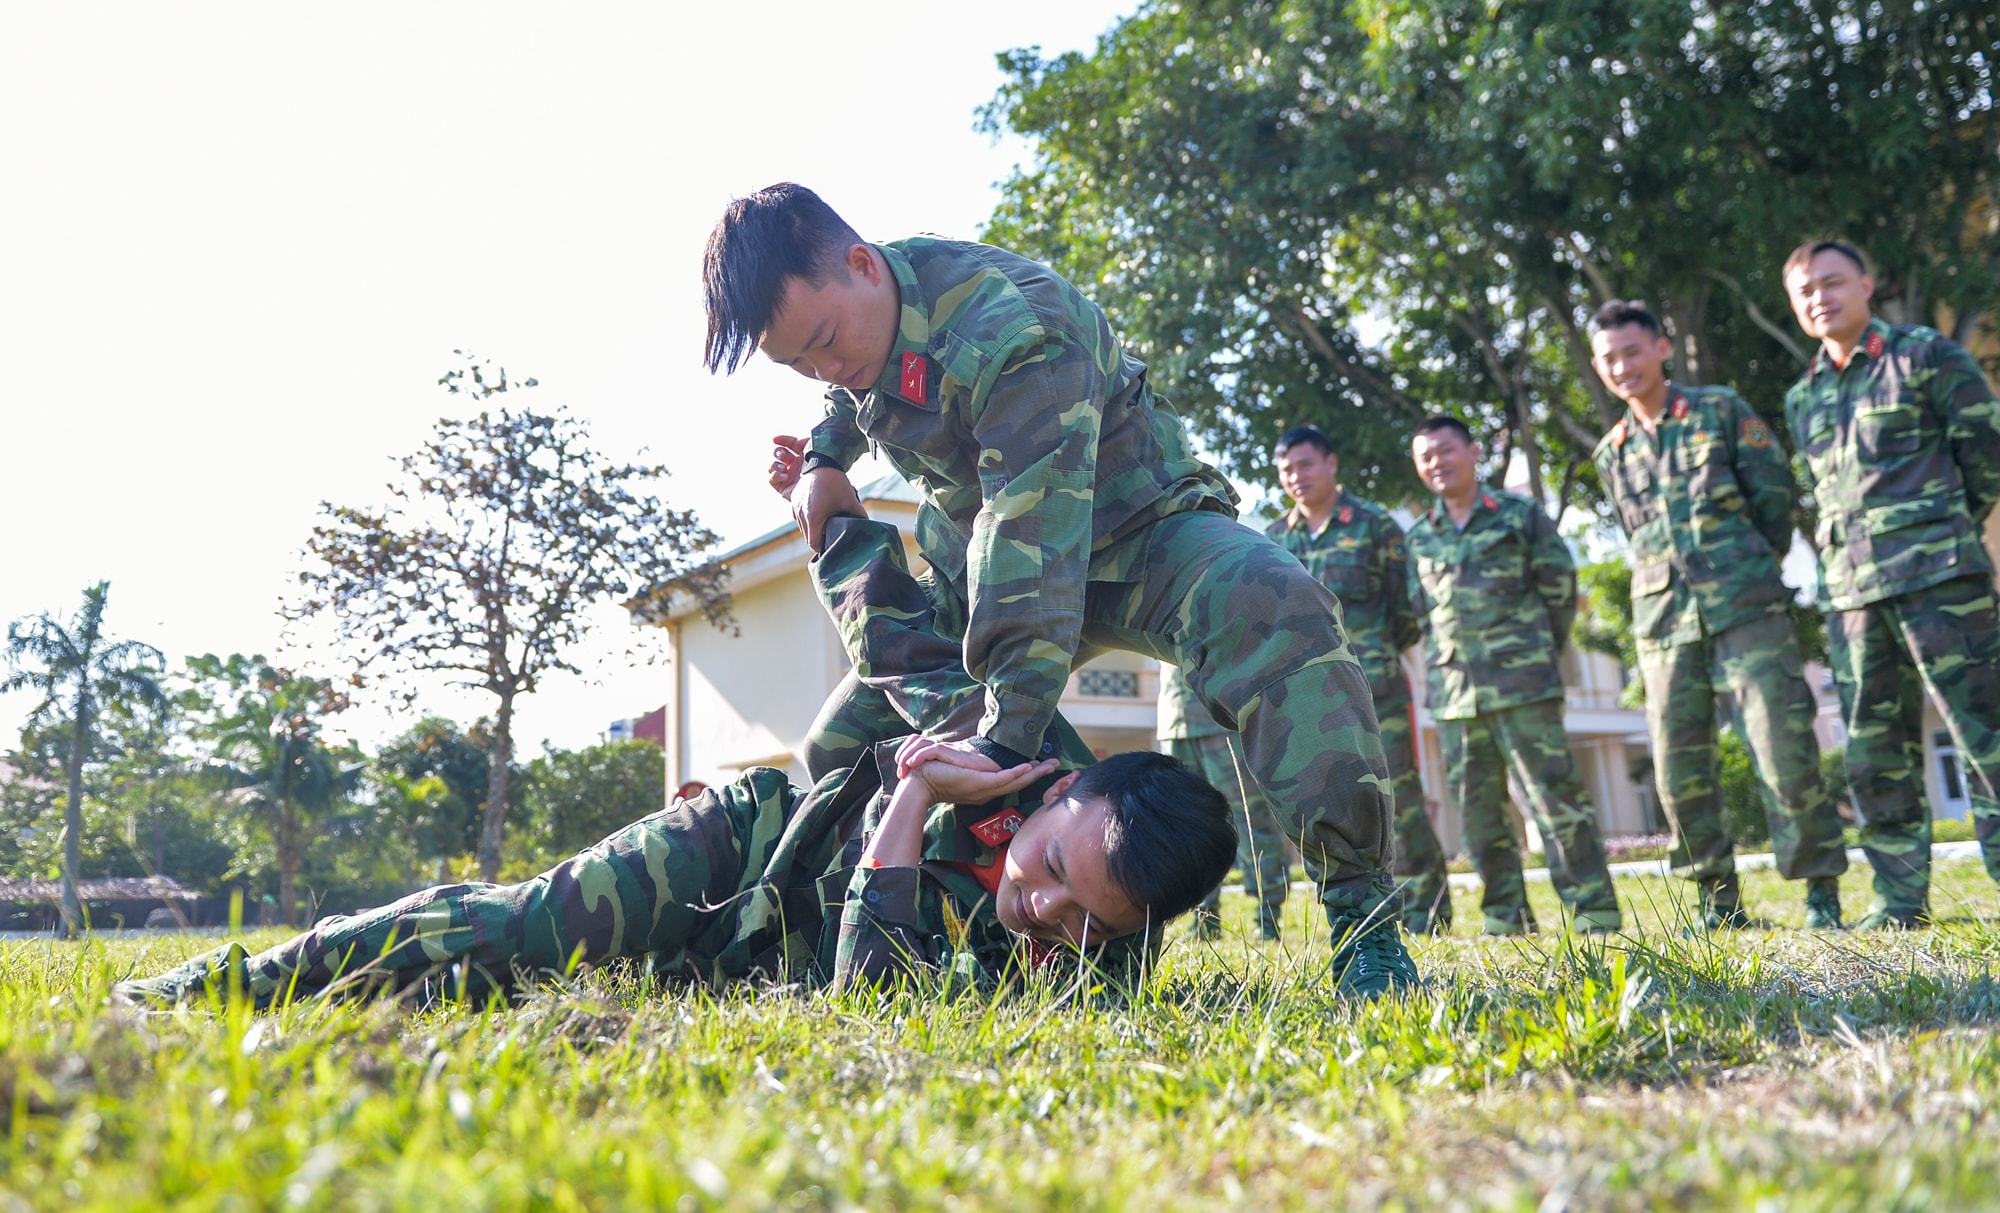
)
(1443, 421)
(781, 231)
(1620, 312)
(1168, 836)
(1803, 255)
(1304, 435)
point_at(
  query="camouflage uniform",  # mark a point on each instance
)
(1193, 738)
(1358, 555)
(1064, 513)
(1496, 601)
(1707, 502)
(1901, 449)
(756, 879)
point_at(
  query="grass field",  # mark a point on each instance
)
(1767, 1068)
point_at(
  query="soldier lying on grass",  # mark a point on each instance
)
(918, 856)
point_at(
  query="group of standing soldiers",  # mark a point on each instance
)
(1897, 436)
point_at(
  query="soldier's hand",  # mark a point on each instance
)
(961, 775)
(788, 455)
(819, 495)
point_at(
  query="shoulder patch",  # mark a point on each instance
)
(1756, 435)
(916, 377)
(999, 829)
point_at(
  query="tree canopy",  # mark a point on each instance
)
(499, 535)
(1357, 212)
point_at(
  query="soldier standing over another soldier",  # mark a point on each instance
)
(1898, 438)
(1496, 593)
(1064, 513)
(1206, 748)
(1705, 494)
(1355, 549)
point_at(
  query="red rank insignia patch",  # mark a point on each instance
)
(1346, 514)
(1875, 344)
(1486, 499)
(1680, 407)
(1756, 435)
(916, 377)
(999, 829)
(1618, 434)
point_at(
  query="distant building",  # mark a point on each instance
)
(650, 727)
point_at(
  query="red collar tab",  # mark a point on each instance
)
(916, 377)
(1618, 433)
(1875, 343)
(999, 829)
(1680, 407)
(1346, 514)
(1486, 499)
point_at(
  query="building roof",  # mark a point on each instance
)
(752, 561)
(112, 888)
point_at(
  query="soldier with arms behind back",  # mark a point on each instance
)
(1898, 440)
(1496, 592)
(1355, 549)
(1703, 490)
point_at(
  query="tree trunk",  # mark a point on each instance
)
(288, 864)
(159, 839)
(1531, 450)
(499, 770)
(72, 901)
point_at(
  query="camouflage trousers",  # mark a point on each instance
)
(1944, 640)
(1262, 646)
(1260, 841)
(701, 886)
(1419, 865)
(1528, 741)
(1758, 664)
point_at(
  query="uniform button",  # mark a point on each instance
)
(1048, 748)
(872, 896)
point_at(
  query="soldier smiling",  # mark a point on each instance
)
(1705, 495)
(1898, 439)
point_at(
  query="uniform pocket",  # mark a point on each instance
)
(1889, 429)
(1651, 577)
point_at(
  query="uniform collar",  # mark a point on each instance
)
(1873, 343)
(1630, 426)
(1485, 501)
(910, 373)
(1342, 513)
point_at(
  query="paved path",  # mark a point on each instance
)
(1941, 852)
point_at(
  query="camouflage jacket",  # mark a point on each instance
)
(1181, 715)
(1707, 503)
(1495, 601)
(1901, 452)
(1036, 445)
(802, 905)
(1359, 555)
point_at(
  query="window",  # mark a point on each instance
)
(1950, 779)
(1108, 684)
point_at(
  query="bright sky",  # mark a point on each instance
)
(240, 242)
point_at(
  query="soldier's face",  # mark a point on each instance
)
(1630, 360)
(841, 331)
(1446, 462)
(1830, 296)
(1054, 884)
(1307, 476)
